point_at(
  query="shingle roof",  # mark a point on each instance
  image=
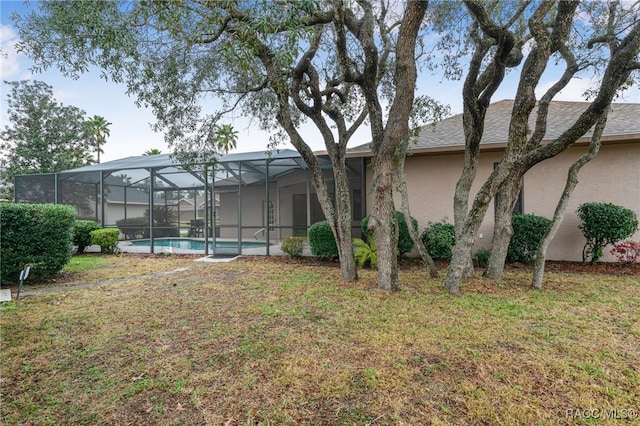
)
(624, 119)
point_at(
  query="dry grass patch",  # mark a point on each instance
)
(257, 342)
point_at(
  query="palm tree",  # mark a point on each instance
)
(98, 131)
(226, 138)
(152, 151)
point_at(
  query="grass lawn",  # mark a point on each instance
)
(274, 343)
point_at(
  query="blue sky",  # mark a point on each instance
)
(130, 129)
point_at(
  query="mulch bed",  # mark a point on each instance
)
(600, 268)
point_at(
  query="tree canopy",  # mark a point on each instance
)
(98, 132)
(42, 135)
(338, 65)
(332, 64)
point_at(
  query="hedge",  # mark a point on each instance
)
(405, 242)
(82, 233)
(438, 238)
(604, 224)
(322, 241)
(528, 230)
(39, 235)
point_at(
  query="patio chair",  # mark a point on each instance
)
(197, 228)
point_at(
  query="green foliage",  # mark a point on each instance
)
(82, 233)
(42, 136)
(604, 224)
(98, 129)
(322, 242)
(107, 239)
(405, 242)
(226, 138)
(482, 257)
(293, 246)
(133, 227)
(162, 216)
(365, 252)
(39, 235)
(438, 238)
(528, 230)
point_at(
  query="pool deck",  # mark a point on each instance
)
(274, 250)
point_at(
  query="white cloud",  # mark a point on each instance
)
(10, 64)
(574, 91)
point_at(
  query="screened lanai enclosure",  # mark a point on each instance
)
(241, 203)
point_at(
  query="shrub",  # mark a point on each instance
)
(604, 224)
(133, 227)
(322, 242)
(528, 230)
(82, 233)
(405, 243)
(482, 257)
(39, 235)
(162, 216)
(293, 246)
(627, 251)
(438, 238)
(365, 252)
(107, 239)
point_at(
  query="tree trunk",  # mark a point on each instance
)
(465, 237)
(382, 222)
(459, 265)
(572, 181)
(348, 266)
(386, 138)
(502, 231)
(401, 186)
(339, 218)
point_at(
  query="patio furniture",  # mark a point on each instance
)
(197, 228)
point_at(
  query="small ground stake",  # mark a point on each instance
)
(23, 276)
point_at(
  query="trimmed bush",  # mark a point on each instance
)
(321, 241)
(528, 230)
(107, 239)
(405, 243)
(438, 238)
(39, 235)
(82, 233)
(133, 227)
(293, 246)
(604, 224)
(482, 257)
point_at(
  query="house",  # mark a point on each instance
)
(269, 196)
(613, 176)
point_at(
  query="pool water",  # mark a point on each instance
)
(189, 244)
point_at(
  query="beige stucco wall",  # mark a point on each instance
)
(613, 176)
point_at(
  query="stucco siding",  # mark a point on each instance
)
(613, 176)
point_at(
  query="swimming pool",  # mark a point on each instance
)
(189, 244)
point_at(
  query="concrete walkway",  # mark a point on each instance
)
(68, 287)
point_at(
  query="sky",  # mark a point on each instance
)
(130, 131)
